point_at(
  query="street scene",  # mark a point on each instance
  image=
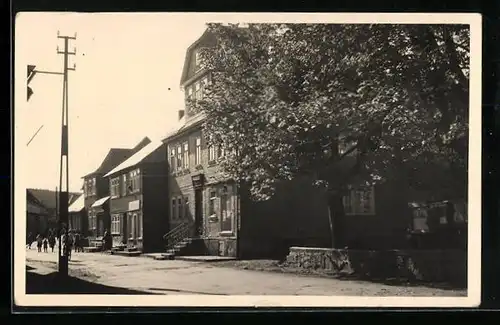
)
(246, 159)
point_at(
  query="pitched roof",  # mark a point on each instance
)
(116, 156)
(137, 157)
(100, 202)
(77, 205)
(48, 198)
(185, 125)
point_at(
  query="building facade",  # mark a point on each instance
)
(138, 207)
(221, 214)
(97, 192)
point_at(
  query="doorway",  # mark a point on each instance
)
(198, 212)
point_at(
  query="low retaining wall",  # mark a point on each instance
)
(421, 265)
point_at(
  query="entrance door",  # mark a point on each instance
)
(198, 212)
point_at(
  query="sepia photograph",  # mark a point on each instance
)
(247, 159)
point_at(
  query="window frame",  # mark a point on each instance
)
(197, 153)
(212, 200)
(114, 186)
(173, 165)
(134, 181)
(179, 158)
(124, 183)
(185, 155)
(212, 154)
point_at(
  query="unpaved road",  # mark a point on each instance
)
(185, 277)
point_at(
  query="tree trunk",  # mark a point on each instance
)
(336, 219)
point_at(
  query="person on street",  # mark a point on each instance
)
(45, 245)
(39, 241)
(52, 242)
(107, 240)
(68, 244)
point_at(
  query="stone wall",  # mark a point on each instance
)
(421, 265)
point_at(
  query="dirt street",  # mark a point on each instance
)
(186, 277)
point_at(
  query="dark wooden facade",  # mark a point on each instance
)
(138, 204)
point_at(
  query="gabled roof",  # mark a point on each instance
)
(116, 156)
(137, 158)
(186, 125)
(78, 205)
(48, 198)
(100, 202)
(206, 36)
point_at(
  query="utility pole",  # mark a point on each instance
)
(63, 195)
(64, 162)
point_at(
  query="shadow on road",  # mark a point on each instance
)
(52, 284)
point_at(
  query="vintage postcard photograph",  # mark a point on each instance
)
(247, 159)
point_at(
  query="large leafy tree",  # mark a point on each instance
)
(340, 103)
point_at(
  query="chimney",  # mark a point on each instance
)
(181, 114)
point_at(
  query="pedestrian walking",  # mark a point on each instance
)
(68, 245)
(39, 241)
(45, 245)
(52, 242)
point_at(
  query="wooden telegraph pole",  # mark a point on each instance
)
(64, 162)
(63, 195)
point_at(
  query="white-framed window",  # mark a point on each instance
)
(124, 185)
(211, 154)
(114, 186)
(197, 153)
(115, 224)
(173, 207)
(179, 158)
(198, 91)
(90, 186)
(211, 203)
(172, 159)
(185, 155)
(360, 201)
(134, 180)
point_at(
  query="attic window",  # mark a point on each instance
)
(197, 60)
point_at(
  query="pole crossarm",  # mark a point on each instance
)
(49, 72)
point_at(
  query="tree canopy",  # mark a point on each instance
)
(299, 99)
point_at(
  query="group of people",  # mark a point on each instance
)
(42, 242)
(70, 241)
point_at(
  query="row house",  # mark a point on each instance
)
(97, 193)
(219, 215)
(138, 207)
(42, 209)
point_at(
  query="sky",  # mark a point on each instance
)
(125, 87)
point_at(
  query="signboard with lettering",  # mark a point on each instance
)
(134, 205)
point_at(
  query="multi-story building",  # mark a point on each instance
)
(218, 215)
(138, 206)
(97, 192)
